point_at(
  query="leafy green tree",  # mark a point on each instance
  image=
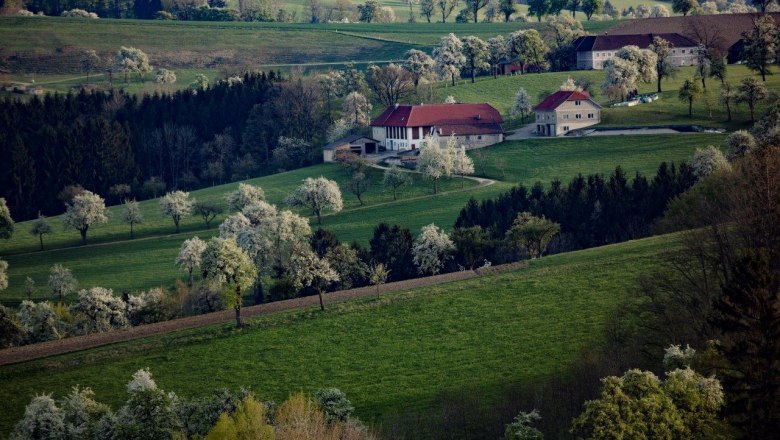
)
(476, 53)
(507, 7)
(532, 234)
(475, 6)
(370, 11)
(689, 91)
(207, 211)
(538, 8)
(684, 6)
(40, 227)
(761, 45)
(201, 82)
(751, 91)
(392, 246)
(427, 8)
(395, 178)
(334, 404)
(248, 422)
(590, 7)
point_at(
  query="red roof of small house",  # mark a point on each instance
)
(427, 115)
(554, 101)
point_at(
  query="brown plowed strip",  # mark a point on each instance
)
(51, 348)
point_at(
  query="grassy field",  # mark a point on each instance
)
(150, 258)
(707, 109)
(389, 354)
(532, 160)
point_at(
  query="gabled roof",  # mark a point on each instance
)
(725, 28)
(346, 141)
(590, 43)
(427, 115)
(555, 100)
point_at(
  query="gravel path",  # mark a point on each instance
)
(51, 348)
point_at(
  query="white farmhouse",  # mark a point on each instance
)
(594, 50)
(405, 127)
(566, 110)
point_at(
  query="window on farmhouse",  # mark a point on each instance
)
(577, 102)
(590, 115)
(578, 116)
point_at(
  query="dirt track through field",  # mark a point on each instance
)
(52, 348)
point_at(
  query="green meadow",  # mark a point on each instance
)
(389, 354)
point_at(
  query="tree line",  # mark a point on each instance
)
(128, 146)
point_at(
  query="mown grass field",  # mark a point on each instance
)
(389, 354)
(707, 109)
(533, 160)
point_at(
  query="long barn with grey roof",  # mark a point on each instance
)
(594, 50)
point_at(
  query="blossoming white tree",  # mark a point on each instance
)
(434, 163)
(318, 195)
(431, 249)
(308, 270)
(462, 165)
(521, 104)
(244, 195)
(706, 161)
(61, 281)
(191, 255)
(176, 204)
(3, 274)
(86, 210)
(225, 264)
(259, 212)
(357, 109)
(449, 57)
(98, 310)
(132, 214)
(232, 224)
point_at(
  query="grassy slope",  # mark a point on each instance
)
(151, 260)
(531, 160)
(388, 354)
(667, 110)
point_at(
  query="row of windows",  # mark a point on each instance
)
(578, 116)
(401, 133)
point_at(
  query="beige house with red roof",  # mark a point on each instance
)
(594, 50)
(405, 127)
(564, 111)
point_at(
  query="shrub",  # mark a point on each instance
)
(40, 322)
(334, 404)
(79, 13)
(204, 299)
(152, 306)
(42, 420)
(98, 310)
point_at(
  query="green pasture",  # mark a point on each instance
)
(389, 354)
(532, 160)
(707, 108)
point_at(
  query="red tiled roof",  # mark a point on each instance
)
(469, 129)
(553, 101)
(437, 115)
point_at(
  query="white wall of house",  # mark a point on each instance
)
(400, 138)
(681, 56)
(470, 142)
(571, 115)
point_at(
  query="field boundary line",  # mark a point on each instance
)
(40, 350)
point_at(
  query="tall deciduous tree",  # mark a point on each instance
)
(538, 8)
(6, 222)
(90, 61)
(420, 65)
(391, 83)
(98, 310)
(432, 249)
(591, 7)
(462, 165)
(225, 264)
(427, 9)
(497, 50)
(130, 61)
(207, 211)
(40, 227)
(684, 6)
(449, 56)
(309, 270)
(528, 47)
(476, 53)
(61, 281)
(475, 6)
(521, 104)
(3, 274)
(132, 215)
(689, 91)
(394, 178)
(664, 67)
(434, 163)
(357, 109)
(446, 7)
(318, 194)
(751, 91)
(191, 255)
(243, 196)
(533, 234)
(507, 7)
(87, 209)
(176, 204)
